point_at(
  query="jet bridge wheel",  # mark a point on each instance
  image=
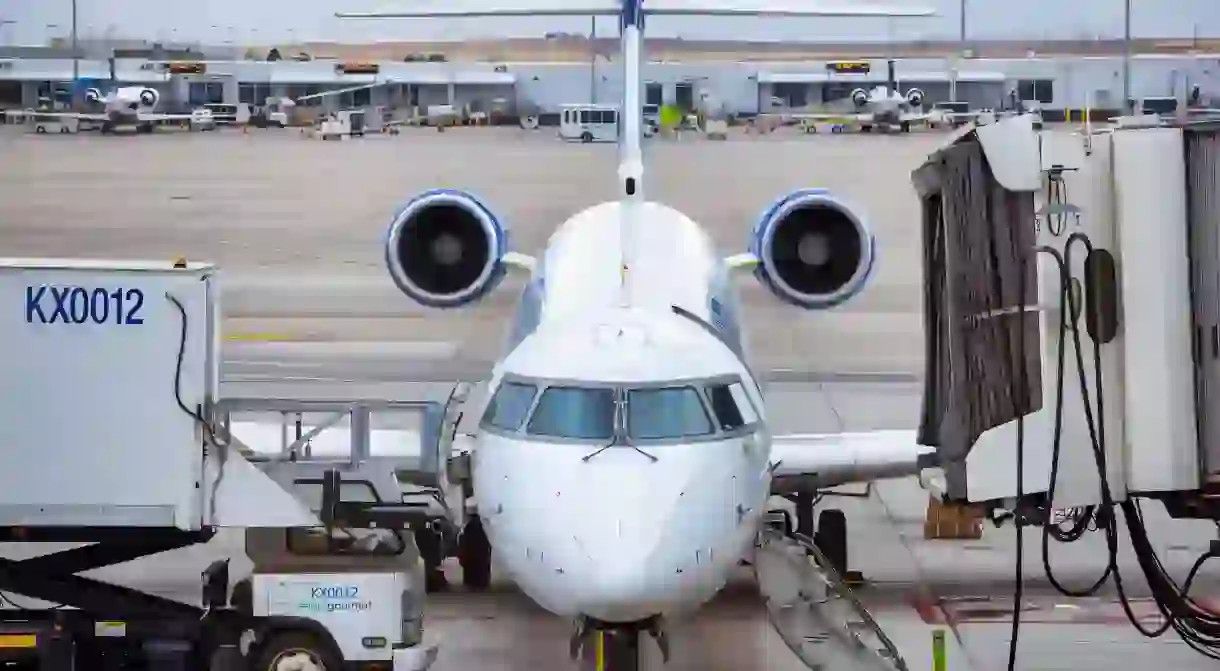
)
(474, 555)
(831, 538)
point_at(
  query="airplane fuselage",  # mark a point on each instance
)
(124, 106)
(654, 522)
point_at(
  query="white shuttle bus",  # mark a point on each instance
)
(589, 123)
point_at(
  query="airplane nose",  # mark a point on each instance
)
(624, 584)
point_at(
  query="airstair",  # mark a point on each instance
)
(814, 612)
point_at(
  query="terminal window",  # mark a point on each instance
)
(684, 96)
(1036, 89)
(654, 94)
(205, 93)
(253, 94)
(794, 94)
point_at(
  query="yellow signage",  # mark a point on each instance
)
(358, 68)
(187, 68)
(849, 67)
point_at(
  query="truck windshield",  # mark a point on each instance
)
(667, 412)
(574, 412)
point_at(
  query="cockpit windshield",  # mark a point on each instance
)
(581, 413)
(566, 411)
(510, 406)
(666, 412)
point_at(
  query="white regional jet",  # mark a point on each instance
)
(882, 107)
(624, 463)
(127, 106)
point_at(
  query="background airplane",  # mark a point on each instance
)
(882, 107)
(124, 107)
(624, 463)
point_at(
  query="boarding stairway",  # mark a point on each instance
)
(814, 612)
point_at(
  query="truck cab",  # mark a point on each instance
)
(335, 598)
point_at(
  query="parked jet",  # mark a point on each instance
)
(124, 107)
(882, 107)
(624, 462)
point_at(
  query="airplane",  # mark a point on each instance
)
(881, 107)
(127, 106)
(623, 464)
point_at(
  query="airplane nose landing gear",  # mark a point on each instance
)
(615, 646)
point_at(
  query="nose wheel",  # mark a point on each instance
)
(605, 646)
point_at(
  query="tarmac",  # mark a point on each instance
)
(308, 312)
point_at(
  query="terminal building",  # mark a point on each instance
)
(742, 88)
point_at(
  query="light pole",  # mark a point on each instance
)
(75, 62)
(1127, 56)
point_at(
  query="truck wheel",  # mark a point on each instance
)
(41, 130)
(831, 539)
(297, 651)
(474, 554)
(586, 137)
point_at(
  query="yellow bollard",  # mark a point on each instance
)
(938, 650)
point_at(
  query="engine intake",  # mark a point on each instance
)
(859, 97)
(444, 249)
(93, 95)
(915, 98)
(149, 97)
(815, 251)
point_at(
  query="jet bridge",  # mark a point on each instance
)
(1072, 282)
(1073, 307)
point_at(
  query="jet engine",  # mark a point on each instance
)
(815, 252)
(93, 95)
(915, 98)
(149, 97)
(444, 249)
(859, 97)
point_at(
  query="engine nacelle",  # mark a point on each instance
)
(93, 95)
(149, 97)
(915, 98)
(815, 251)
(445, 248)
(859, 97)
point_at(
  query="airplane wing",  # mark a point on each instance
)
(144, 116)
(776, 8)
(827, 116)
(816, 461)
(83, 116)
(475, 8)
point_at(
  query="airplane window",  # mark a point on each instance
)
(574, 412)
(510, 405)
(672, 412)
(731, 406)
